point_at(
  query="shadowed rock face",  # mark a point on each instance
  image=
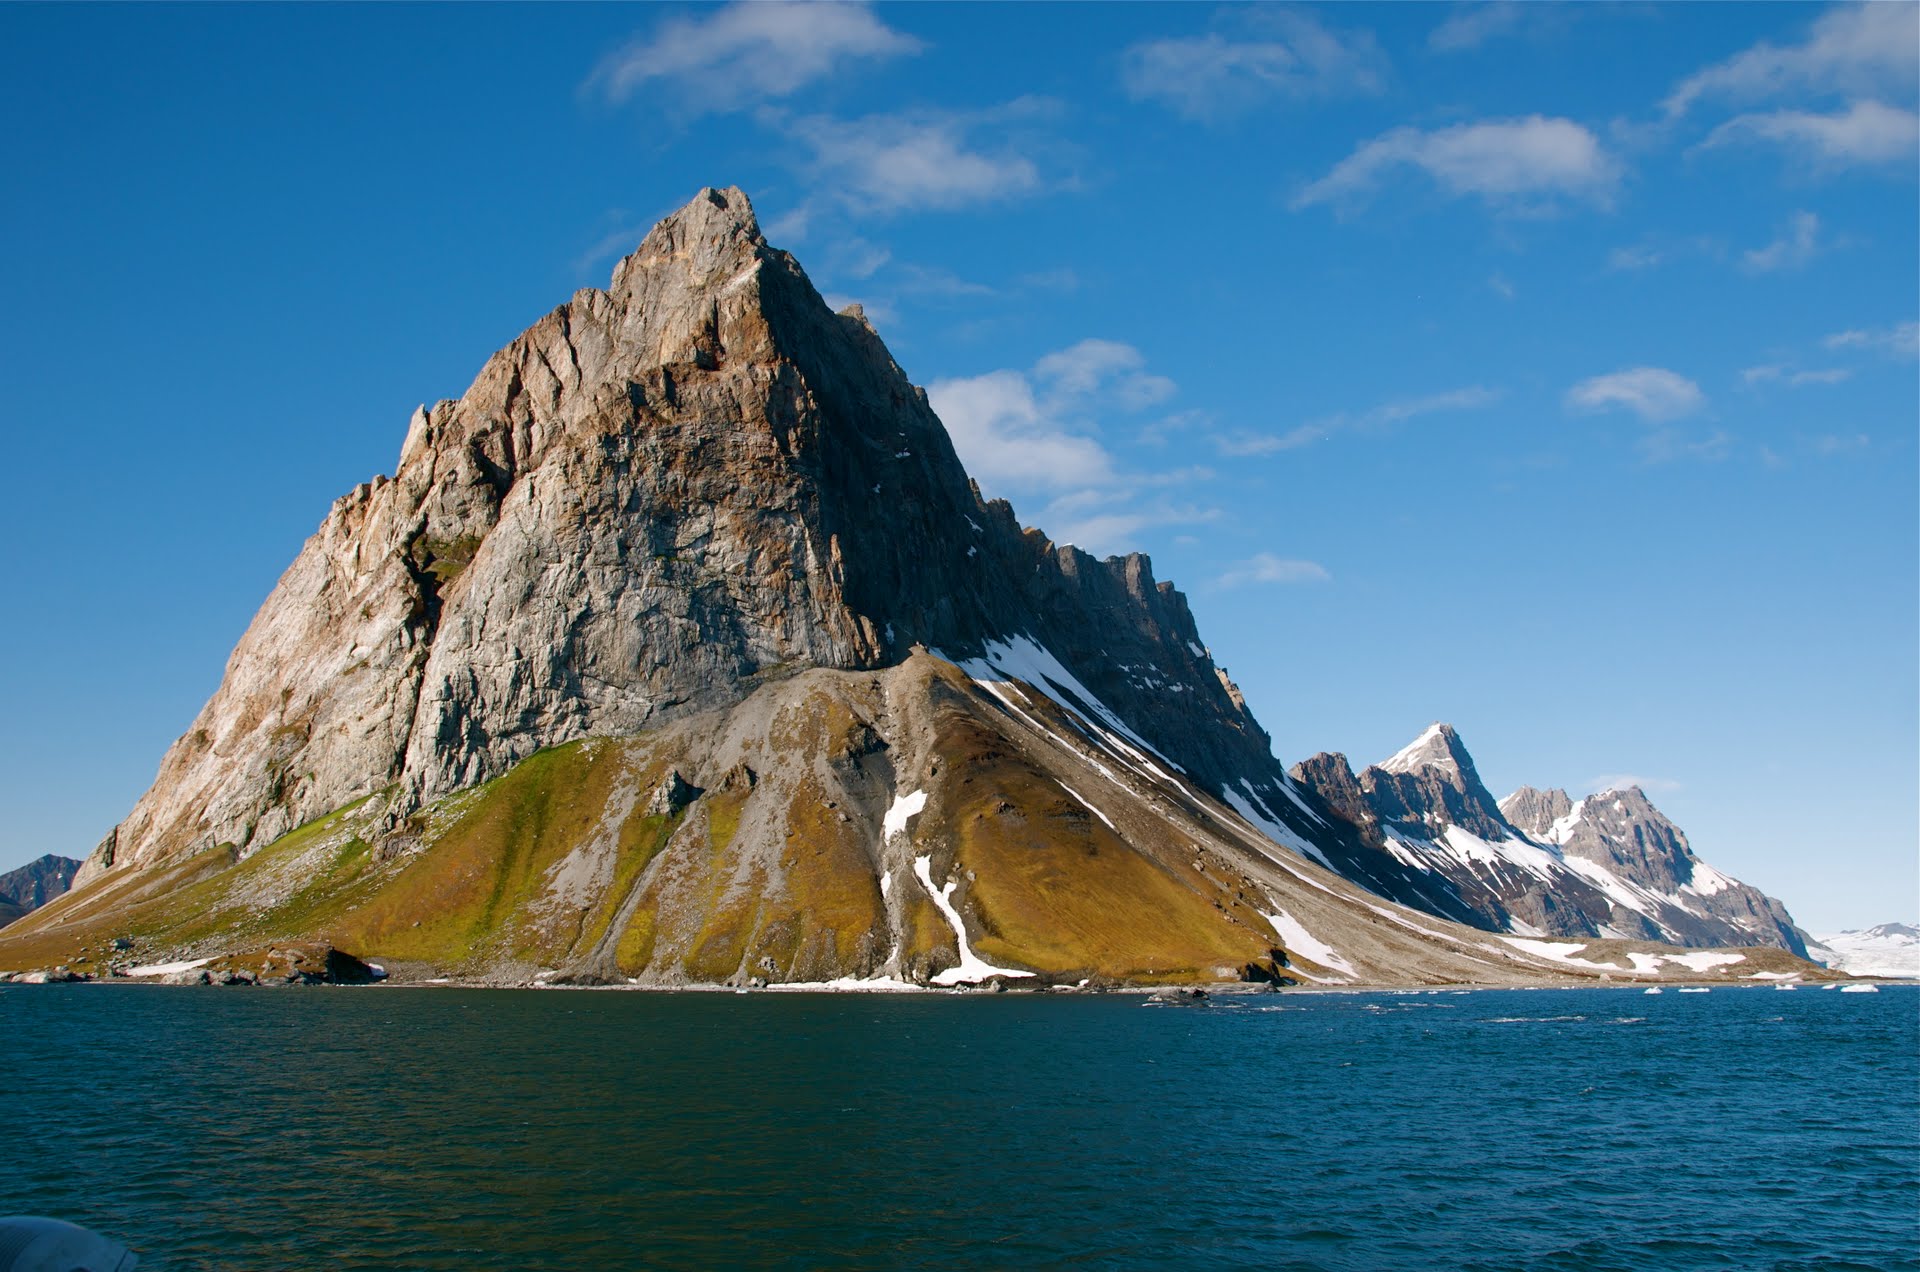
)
(658, 496)
(33, 885)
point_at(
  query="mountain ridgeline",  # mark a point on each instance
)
(1537, 863)
(681, 649)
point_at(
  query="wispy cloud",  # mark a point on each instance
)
(1652, 393)
(1471, 25)
(1507, 163)
(733, 56)
(923, 159)
(609, 245)
(1854, 50)
(1799, 244)
(1783, 373)
(1668, 445)
(1284, 54)
(1248, 443)
(1902, 340)
(1265, 567)
(1831, 445)
(1864, 133)
(1661, 249)
(1035, 431)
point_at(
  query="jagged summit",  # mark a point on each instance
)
(1438, 746)
(657, 496)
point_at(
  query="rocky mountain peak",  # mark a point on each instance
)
(1438, 746)
(1432, 781)
(1535, 811)
(655, 498)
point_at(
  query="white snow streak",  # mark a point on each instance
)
(970, 968)
(1295, 939)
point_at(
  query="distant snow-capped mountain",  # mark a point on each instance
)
(1538, 863)
(1886, 949)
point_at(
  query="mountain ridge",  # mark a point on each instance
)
(631, 668)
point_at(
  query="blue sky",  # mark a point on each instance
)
(1548, 370)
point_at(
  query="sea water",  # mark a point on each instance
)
(452, 1129)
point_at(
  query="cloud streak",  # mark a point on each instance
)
(1506, 163)
(1792, 250)
(748, 52)
(1652, 393)
(1864, 134)
(1035, 432)
(1211, 76)
(1901, 340)
(1246, 444)
(1854, 50)
(926, 159)
(1265, 567)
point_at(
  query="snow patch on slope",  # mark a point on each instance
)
(1295, 939)
(903, 807)
(971, 968)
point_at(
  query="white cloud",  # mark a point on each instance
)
(1901, 340)
(1088, 520)
(1092, 365)
(1265, 567)
(1864, 133)
(1007, 438)
(1210, 76)
(1665, 445)
(1652, 393)
(1506, 163)
(1033, 430)
(1636, 257)
(746, 52)
(1853, 50)
(891, 163)
(1781, 373)
(1793, 249)
(1036, 431)
(1471, 398)
(1502, 286)
(1470, 26)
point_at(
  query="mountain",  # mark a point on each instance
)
(1539, 863)
(681, 649)
(34, 884)
(1885, 949)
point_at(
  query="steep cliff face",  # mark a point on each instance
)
(656, 496)
(680, 649)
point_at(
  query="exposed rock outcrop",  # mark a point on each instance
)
(31, 886)
(659, 495)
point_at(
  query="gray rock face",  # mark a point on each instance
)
(1535, 811)
(1536, 862)
(657, 497)
(33, 885)
(1432, 784)
(1624, 834)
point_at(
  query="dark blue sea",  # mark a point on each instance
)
(454, 1129)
